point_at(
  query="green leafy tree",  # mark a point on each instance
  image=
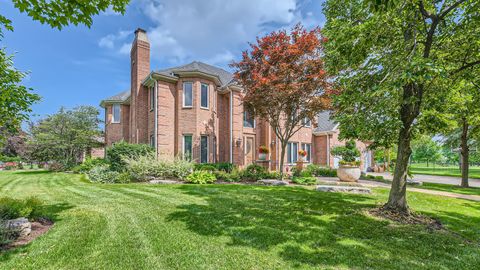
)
(65, 136)
(426, 149)
(386, 55)
(16, 99)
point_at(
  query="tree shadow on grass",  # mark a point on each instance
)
(306, 227)
(33, 172)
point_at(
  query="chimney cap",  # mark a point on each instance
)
(140, 30)
(141, 34)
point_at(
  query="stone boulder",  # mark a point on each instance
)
(272, 182)
(20, 226)
(347, 189)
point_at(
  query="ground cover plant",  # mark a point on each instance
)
(234, 227)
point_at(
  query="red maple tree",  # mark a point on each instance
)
(284, 80)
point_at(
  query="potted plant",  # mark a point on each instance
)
(302, 154)
(263, 152)
(349, 169)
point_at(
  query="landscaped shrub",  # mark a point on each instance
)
(304, 180)
(88, 164)
(141, 168)
(201, 177)
(272, 175)
(253, 172)
(56, 167)
(234, 176)
(349, 153)
(30, 208)
(205, 167)
(316, 170)
(221, 166)
(103, 174)
(121, 150)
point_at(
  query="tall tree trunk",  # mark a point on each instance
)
(409, 110)
(282, 159)
(465, 153)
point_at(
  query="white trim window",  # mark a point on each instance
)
(307, 147)
(204, 95)
(248, 119)
(152, 98)
(306, 122)
(116, 112)
(203, 149)
(187, 147)
(292, 152)
(187, 94)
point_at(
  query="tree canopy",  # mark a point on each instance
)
(387, 57)
(284, 80)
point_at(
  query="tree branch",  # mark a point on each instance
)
(450, 8)
(467, 65)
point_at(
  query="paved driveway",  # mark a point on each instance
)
(435, 179)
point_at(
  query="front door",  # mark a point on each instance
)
(249, 150)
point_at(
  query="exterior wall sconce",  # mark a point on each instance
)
(238, 142)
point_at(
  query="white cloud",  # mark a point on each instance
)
(110, 41)
(214, 31)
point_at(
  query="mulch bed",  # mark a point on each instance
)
(409, 219)
(39, 227)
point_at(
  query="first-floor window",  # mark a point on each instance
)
(152, 141)
(203, 149)
(116, 113)
(292, 152)
(307, 148)
(187, 146)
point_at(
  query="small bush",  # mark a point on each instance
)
(227, 177)
(88, 164)
(143, 167)
(201, 177)
(56, 167)
(121, 150)
(379, 177)
(222, 166)
(316, 170)
(304, 180)
(103, 174)
(205, 167)
(30, 208)
(253, 172)
(272, 175)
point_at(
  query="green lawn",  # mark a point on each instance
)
(139, 226)
(422, 168)
(450, 188)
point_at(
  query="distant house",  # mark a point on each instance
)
(196, 110)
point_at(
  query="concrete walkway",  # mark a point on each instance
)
(434, 179)
(374, 184)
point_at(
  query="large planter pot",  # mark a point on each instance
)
(262, 156)
(348, 173)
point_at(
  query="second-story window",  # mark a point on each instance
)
(248, 119)
(306, 122)
(204, 96)
(187, 94)
(116, 113)
(152, 98)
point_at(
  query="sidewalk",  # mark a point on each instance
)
(450, 180)
(374, 184)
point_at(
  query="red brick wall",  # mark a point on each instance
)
(114, 131)
(166, 118)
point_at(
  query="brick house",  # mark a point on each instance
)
(196, 110)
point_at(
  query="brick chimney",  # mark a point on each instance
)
(140, 68)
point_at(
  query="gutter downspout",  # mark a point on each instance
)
(231, 126)
(155, 128)
(328, 150)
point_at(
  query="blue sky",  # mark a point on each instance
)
(80, 65)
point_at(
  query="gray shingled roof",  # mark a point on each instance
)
(224, 76)
(324, 122)
(122, 96)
